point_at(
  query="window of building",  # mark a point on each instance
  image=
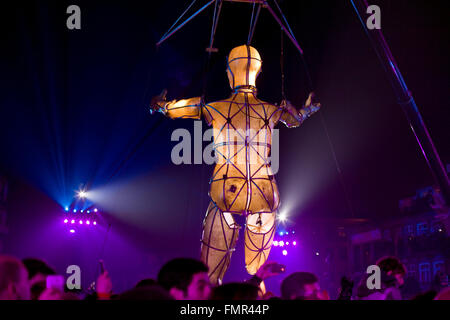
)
(438, 266)
(412, 270)
(425, 272)
(408, 230)
(422, 228)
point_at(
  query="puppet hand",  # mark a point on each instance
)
(158, 103)
(312, 105)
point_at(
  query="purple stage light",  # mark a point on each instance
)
(275, 243)
(281, 233)
(89, 211)
(95, 223)
(72, 231)
(95, 210)
(284, 252)
(72, 222)
(81, 221)
(65, 220)
(287, 243)
(74, 210)
(281, 243)
(294, 243)
(317, 253)
(88, 222)
(82, 211)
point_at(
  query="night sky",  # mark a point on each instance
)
(74, 111)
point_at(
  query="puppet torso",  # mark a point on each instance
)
(243, 181)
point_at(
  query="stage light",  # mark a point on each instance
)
(317, 253)
(89, 211)
(72, 231)
(82, 211)
(281, 233)
(82, 194)
(72, 222)
(95, 223)
(81, 221)
(281, 243)
(65, 220)
(294, 243)
(275, 243)
(287, 233)
(88, 222)
(74, 210)
(282, 217)
(284, 252)
(293, 232)
(287, 243)
(95, 210)
(66, 208)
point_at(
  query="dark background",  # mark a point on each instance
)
(74, 111)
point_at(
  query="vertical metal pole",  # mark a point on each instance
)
(406, 101)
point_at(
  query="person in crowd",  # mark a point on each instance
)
(146, 283)
(146, 289)
(302, 286)
(56, 294)
(443, 295)
(102, 288)
(392, 279)
(148, 292)
(410, 289)
(346, 289)
(236, 291)
(14, 283)
(267, 270)
(38, 270)
(185, 279)
(425, 296)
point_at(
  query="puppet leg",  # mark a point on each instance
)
(259, 233)
(220, 233)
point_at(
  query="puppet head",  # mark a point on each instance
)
(244, 66)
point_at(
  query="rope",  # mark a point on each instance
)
(179, 18)
(253, 22)
(217, 11)
(283, 94)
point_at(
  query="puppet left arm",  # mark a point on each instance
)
(177, 109)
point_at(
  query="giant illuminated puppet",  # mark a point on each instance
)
(242, 181)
